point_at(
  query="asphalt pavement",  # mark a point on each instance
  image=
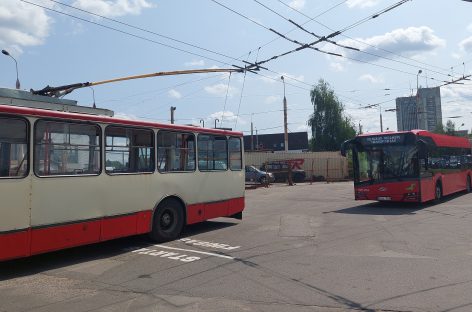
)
(299, 248)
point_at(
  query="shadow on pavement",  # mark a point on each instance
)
(393, 208)
(67, 257)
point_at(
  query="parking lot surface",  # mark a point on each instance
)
(300, 248)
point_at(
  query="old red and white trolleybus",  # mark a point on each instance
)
(72, 175)
(411, 166)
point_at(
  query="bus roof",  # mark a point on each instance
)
(439, 139)
(26, 111)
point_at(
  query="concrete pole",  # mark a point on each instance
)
(285, 119)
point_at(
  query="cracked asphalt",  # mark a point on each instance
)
(300, 248)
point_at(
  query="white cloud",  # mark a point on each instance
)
(411, 41)
(195, 63)
(113, 8)
(361, 3)
(174, 94)
(469, 28)
(226, 116)
(297, 4)
(22, 25)
(456, 93)
(220, 89)
(371, 78)
(271, 99)
(338, 67)
(466, 45)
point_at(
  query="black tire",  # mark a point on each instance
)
(438, 192)
(468, 188)
(263, 180)
(168, 221)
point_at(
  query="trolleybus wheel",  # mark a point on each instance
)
(469, 187)
(168, 221)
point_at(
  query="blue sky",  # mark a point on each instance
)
(56, 49)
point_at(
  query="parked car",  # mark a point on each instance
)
(279, 168)
(255, 175)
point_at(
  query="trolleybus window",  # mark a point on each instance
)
(235, 159)
(212, 152)
(13, 147)
(129, 150)
(175, 151)
(66, 148)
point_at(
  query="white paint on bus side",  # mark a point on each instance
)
(195, 242)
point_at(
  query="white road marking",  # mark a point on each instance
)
(196, 251)
(195, 242)
(165, 254)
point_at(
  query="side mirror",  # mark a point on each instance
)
(346, 145)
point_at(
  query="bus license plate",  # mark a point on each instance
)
(384, 198)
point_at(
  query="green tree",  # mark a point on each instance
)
(450, 128)
(329, 125)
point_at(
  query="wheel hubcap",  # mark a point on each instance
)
(166, 220)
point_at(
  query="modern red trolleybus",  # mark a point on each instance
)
(73, 175)
(411, 166)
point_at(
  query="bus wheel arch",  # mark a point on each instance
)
(169, 218)
(468, 187)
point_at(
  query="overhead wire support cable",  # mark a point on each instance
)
(323, 38)
(127, 33)
(143, 29)
(428, 66)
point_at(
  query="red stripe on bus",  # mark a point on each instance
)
(96, 118)
(200, 212)
(15, 245)
(40, 240)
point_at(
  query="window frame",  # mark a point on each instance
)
(195, 148)
(70, 121)
(198, 154)
(153, 140)
(240, 152)
(28, 145)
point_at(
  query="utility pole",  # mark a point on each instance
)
(252, 137)
(172, 110)
(285, 119)
(381, 121)
(257, 140)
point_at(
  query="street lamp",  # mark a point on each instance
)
(417, 102)
(419, 72)
(216, 119)
(5, 52)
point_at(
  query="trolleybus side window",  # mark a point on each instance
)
(212, 152)
(235, 158)
(66, 148)
(129, 150)
(13, 147)
(175, 151)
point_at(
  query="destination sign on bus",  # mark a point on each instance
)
(383, 139)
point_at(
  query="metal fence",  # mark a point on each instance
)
(318, 166)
